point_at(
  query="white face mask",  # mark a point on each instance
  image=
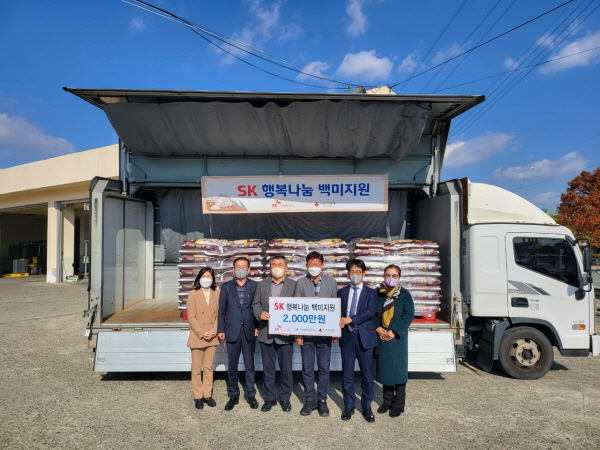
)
(314, 271)
(277, 272)
(206, 282)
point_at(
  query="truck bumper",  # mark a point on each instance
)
(595, 344)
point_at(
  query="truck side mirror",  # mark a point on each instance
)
(586, 276)
(587, 259)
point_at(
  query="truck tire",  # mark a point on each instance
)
(525, 353)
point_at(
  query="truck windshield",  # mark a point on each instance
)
(552, 257)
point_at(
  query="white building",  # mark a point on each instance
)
(44, 211)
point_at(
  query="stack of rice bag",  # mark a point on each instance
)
(219, 255)
(419, 262)
(335, 254)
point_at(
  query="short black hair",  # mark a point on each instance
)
(197, 285)
(357, 263)
(314, 255)
(279, 256)
(242, 258)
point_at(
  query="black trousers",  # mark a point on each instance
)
(246, 348)
(395, 396)
(283, 352)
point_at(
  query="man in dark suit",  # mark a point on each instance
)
(358, 340)
(239, 329)
(275, 346)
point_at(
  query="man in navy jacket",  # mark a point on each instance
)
(239, 329)
(358, 340)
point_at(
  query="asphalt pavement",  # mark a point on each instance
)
(50, 398)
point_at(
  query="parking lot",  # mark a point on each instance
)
(50, 398)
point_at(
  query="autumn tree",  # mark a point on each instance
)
(580, 206)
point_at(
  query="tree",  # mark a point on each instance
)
(580, 206)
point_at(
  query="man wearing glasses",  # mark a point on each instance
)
(358, 339)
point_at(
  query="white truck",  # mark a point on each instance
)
(514, 283)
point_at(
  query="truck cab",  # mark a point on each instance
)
(527, 285)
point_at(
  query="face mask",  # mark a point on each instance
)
(240, 274)
(355, 279)
(314, 271)
(206, 282)
(391, 282)
(277, 272)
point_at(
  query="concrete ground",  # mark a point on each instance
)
(50, 398)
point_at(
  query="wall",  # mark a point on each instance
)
(50, 182)
(16, 228)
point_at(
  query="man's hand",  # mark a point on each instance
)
(256, 332)
(265, 315)
(345, 321)
(300, 340)
(335, 339)
(221, 336)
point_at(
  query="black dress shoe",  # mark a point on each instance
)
(383, 408)
(252, 402)
(198, 403)
(308, 408)
(322, 407)
(210, 402)
(395, 412)
(268, 405)
(368, 415)
(347, 414)
(286, 406)
(231, 403)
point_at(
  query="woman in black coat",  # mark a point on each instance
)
(395, 312)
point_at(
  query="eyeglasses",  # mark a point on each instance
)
(355, 272)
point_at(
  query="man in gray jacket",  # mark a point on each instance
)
(315, 284)
(275, 346)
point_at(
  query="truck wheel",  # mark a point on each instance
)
(525, 353)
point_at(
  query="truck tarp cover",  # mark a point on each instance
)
(306, 128)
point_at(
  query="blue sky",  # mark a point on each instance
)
(545, 116)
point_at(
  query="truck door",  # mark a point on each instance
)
(542, 283)
(121, 250)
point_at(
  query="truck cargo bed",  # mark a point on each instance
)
(151, 310)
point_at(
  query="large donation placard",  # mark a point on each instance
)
(305, 316)
(306, 193)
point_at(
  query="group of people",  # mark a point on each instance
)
(374, 332)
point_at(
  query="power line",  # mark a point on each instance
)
(470, 119)
(508, 83)
(559, 176)
(479, 41)
(482, 44)
(463, 127)
(465, 119)
(243, 48)
(515, 70)
(431, 47)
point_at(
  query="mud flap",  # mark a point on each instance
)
(485, 355)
